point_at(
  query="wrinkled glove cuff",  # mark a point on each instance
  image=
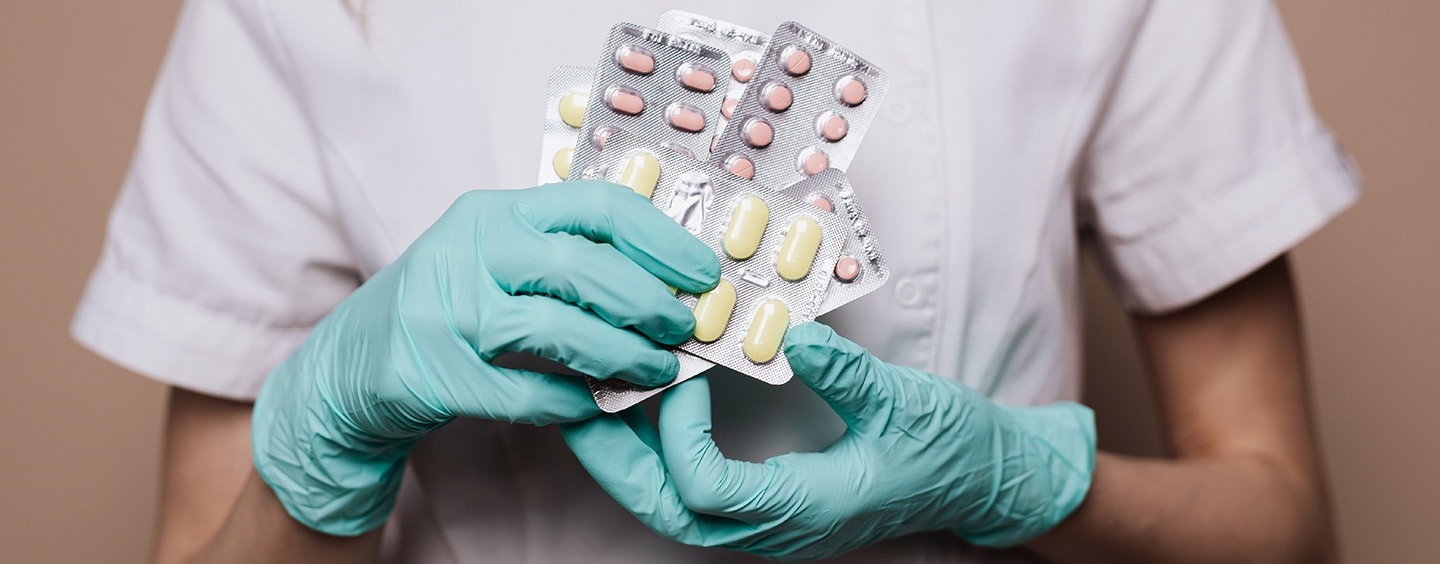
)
(1055, 463)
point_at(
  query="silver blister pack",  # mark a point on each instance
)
(861, 268)
(745, 46)
(703, 199)
(640, 87)
(568, 91)
(615, 395)
(806, 109)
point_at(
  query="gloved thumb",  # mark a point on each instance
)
(844, 374)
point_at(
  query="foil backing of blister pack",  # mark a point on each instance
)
(833, 186)
(560, 136)
(739, 42)
(814, 94)
(702, 198)
(661, 90)
(615, 395)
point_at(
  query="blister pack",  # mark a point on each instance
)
(745, 46)
(777, 254)
(566, 100)
(861, 268)
(805, 111)
(655, 86)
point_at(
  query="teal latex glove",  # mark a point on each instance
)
(921, 453)
(559, 271)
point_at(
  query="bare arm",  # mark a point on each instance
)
(1244, 483)
(215, 508)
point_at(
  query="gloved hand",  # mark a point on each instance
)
(560, 271)
(921, 453)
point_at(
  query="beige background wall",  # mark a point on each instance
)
(79, 438)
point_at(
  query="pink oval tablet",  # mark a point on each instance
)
(713, 142)
(850, 91)
(743, 70)
(625, 101)
(813, 161)
(757, 133)
(795, 60)
(740, 166)
(833, 128)
(822, 202)
(777, 97)
(847, 269)
(696, 78)
(634, 60)
(728, 106)
(685, 117)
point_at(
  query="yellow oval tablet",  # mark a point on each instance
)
(561, 163)
(767, 329)
(798, 248)
(747, 225)
(712, 312)
(572, 108)
(641, 173)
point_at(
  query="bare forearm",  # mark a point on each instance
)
(1227, 508)
(259, 530)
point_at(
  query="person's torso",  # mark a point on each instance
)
(967, 175)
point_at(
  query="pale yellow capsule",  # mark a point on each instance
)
(641, 173)
(747, 225)
(712, 312)
(572, 108)
(767, 329)
(798, 248)
(562, 162)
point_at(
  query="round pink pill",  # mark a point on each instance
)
(743, 70)
(740, 166)
(776, 97)
(822, 202)
(847, 269)
(756, 133)
(727, 108)
(795, 60)
(832, 127)
(813, 161)
(850, 91)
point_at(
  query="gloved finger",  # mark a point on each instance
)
(634, 475)
(707, 481)
(552, 329)
(594, 276)
(518, 396)
(842, 373)
(610, 213)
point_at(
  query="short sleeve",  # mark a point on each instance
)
(1207, 161)
(224, 246)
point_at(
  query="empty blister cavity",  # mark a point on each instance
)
(797, 250)
(712, 312)
(635, 59)
(624, 99)
(831, 126)
(691, 198)
(685, 117)
(641, 173)
(767, 331)
(695, 77)
(746, 227)
(601, 135)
